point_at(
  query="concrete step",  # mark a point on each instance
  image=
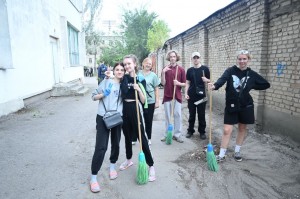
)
(74, 88)
(83, 91)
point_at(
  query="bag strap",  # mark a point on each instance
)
(243, 84)
(117, 100)
(194, 72)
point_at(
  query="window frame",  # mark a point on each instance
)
(73, 45)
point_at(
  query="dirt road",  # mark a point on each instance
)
(46, 152)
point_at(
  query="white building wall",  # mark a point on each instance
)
(32, 25)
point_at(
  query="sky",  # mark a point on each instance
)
(179, 16)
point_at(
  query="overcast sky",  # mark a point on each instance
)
(179, 16)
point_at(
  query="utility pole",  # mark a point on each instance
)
(109, 23)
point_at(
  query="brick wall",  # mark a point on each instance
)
(269, 29)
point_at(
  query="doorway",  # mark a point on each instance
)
(54, 56)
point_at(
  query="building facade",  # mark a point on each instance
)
(41, 45)
(269, 29)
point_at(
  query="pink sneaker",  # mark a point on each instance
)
(113, 174)
(95, 187)
(125, 165)
(152, 174)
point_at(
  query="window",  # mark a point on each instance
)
(73, 45)
(90, 60)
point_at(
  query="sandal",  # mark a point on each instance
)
(113, 174)
(125, 165)
(95, 187)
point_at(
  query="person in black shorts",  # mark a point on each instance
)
(239, 107)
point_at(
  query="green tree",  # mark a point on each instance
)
(92, 43)
(92, 9)
(157, 35)
(135, 25)
(113, 53)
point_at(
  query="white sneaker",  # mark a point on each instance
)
(151, 174)
(125, 165)
(149, 142)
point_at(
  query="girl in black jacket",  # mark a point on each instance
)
(239, 107)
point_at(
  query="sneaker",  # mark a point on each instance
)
(178, 139)
(202, 136)
(220, 159)
(113, 174)
(125, 165)
(149, 142)
(163, 139)
(237, 156)
(95, 187)
(133, 143)
(188, 134)
(152, 174)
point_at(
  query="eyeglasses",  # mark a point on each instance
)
(196, 57)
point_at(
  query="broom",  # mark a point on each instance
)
(210, 155)
(170, 127)
(142, 173)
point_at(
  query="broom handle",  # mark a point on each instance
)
(173, 104)
(210, 110)
(137, 113)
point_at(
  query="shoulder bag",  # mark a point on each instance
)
(112, 118)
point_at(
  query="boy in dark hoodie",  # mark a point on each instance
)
(239, 107)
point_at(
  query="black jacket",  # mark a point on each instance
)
(235, 77)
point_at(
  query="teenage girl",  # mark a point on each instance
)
(130, 124)
(239, 107)
(108, 93)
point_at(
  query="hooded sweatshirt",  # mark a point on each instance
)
(235, 78)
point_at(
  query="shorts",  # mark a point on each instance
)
(244, 116)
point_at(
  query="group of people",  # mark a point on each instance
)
(128, 81)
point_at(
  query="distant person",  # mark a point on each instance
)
(195, 91)
(110, 96)
(86, 71)
(152, 89)
(91, 72)
(239, 109)
(101, 72)
(169, 81)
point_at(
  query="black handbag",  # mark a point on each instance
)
(112, 118)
